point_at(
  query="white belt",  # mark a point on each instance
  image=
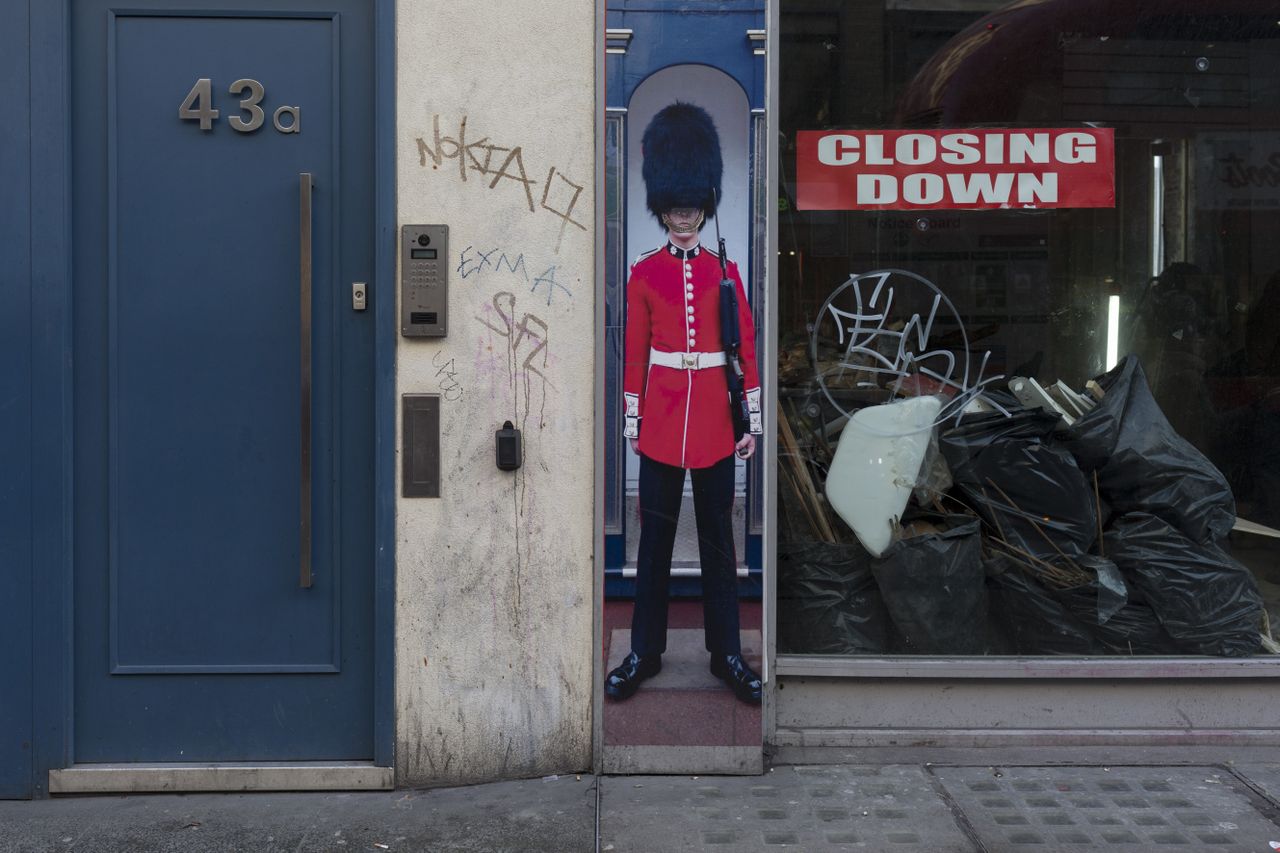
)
(686, 360)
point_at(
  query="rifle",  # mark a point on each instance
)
(730, 338)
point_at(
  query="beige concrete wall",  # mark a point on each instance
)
(495, 137)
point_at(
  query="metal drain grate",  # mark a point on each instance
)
(1141, 808)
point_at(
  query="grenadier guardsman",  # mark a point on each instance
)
(676, 393)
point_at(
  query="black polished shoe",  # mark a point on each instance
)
(625, 680)
(742, 680)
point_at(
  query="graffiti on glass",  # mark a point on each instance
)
(887, 327)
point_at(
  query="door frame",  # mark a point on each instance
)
(52, 405)
(16, 665)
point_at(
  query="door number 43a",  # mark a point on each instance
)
(198, 106)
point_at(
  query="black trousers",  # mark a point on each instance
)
(661, 489)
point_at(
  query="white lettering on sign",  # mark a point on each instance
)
(922, 188)
(1029, 148)
(1038, 189)
(875, 151)
(960, 149)
(877, 189)
(1076, 148)
(915, 149)
(981, 186)
(918, 149)
(927, 188)
(838, 150)
(994, 168)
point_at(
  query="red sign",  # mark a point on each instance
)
(978, 169)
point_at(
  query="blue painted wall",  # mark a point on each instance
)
(15, 408)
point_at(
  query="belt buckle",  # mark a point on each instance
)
(688, 361)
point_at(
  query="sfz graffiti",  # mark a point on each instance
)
(526, 353)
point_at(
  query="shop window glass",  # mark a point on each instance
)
(1054, 427)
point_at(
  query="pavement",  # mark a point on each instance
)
(895, 807)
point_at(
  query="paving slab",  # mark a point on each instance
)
(1116, 808)
(1266, 776)
(816, 808)
(552, 815)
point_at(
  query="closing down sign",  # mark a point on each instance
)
(976, 169)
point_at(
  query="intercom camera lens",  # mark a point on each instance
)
(424, 240)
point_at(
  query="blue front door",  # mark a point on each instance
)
(223, 411)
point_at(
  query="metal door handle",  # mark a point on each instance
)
(304, 267)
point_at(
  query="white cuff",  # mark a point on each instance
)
(631, 423)
(755, 424)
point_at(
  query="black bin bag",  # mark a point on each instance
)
(1035, 622)
(1120, 623)
(1135, 630)
(1102, 597)
(1207, 602)
(1027, 488)
(1096, 618)
(828, 603)
(933, 587)
(1143, 465)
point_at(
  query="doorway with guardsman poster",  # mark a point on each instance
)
(684, 154)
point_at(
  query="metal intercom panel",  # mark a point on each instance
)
(424, 280)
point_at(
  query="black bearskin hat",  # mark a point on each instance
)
(682, 163)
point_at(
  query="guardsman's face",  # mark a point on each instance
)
(683, 220)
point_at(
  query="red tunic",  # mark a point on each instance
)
(673, 305)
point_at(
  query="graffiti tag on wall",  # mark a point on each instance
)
(447, 377)
(474, 262)
(504, 165)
